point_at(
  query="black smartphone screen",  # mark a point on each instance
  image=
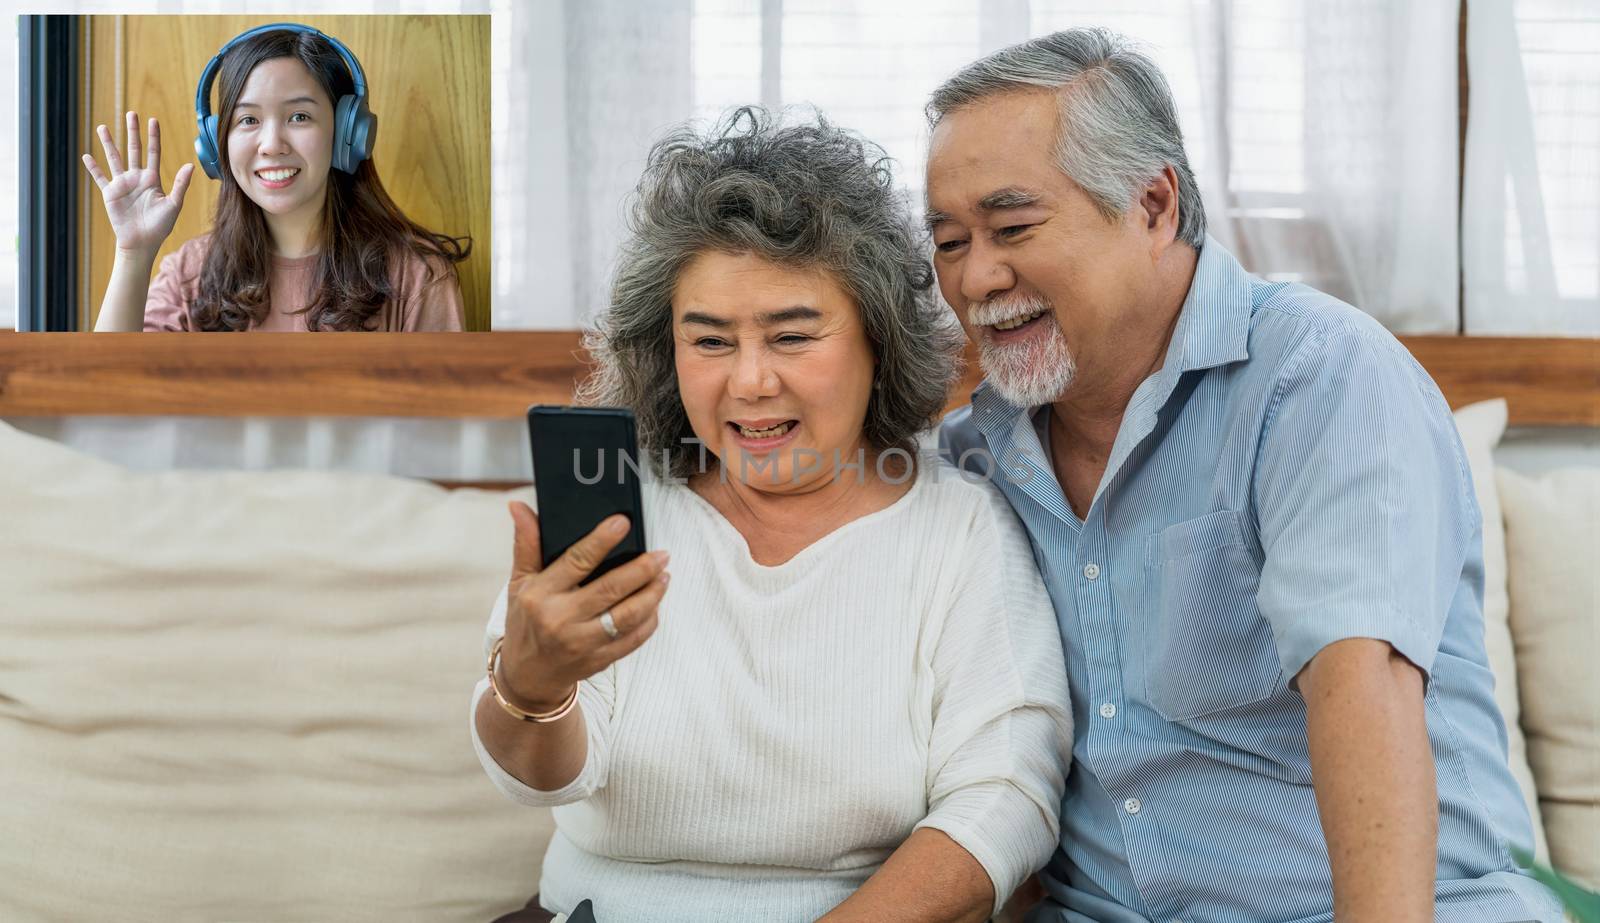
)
(586, 466)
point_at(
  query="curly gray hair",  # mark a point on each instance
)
(802, 196)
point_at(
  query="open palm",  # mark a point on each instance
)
(141, 214)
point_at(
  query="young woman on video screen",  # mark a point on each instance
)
(304, 236)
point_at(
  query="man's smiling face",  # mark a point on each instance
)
(1017, 240)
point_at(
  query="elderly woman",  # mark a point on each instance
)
(850, 705)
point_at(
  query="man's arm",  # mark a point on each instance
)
(929, 878)
(1372, 768)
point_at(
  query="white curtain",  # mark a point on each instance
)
(1531, 229)
(1324, 133)
(9, 165)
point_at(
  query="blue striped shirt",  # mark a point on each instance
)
(1289, 478)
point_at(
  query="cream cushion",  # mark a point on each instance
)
(1553, 557)
(1481, 425)
(243, 696)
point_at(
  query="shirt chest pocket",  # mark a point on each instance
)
(1207, 647)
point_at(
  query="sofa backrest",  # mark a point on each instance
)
(245, 696)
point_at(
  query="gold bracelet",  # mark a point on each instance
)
(548, 717)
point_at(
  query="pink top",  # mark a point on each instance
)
(416, 305)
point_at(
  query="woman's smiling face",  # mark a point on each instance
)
(773, 364)
(280, 139)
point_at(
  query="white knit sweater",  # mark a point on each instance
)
(786, 728)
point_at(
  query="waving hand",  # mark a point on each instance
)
(141, 214)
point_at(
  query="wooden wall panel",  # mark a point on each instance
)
(1546, 382)
(428, 79)
(102, 82)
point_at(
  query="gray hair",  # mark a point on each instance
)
(802, 196)
(1119, 125)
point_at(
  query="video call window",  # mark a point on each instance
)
(254, 173)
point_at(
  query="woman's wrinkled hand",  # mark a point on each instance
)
(554, 636)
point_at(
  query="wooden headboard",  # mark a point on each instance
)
(1546, 382)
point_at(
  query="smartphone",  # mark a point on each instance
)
(586, 466)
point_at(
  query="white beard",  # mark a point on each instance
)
(1024, 374)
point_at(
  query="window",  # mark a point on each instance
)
(1531, 205)
(1560, 45)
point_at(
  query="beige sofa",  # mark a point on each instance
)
(243, 696)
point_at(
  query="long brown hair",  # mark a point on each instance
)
(362, 229)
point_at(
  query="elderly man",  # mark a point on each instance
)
(1254, 517)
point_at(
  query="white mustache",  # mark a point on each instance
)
(995, 311)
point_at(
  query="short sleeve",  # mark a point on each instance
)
(433, 300)
(1001, 741)
(596, 697)
(166, 306)
(1363, 500)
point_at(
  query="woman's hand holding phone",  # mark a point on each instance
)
(141, 214)
(554, 635)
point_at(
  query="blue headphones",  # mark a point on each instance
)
(354, 126)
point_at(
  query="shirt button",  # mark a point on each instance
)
(1132, 806)
(1108, 710)
(1091, 570)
